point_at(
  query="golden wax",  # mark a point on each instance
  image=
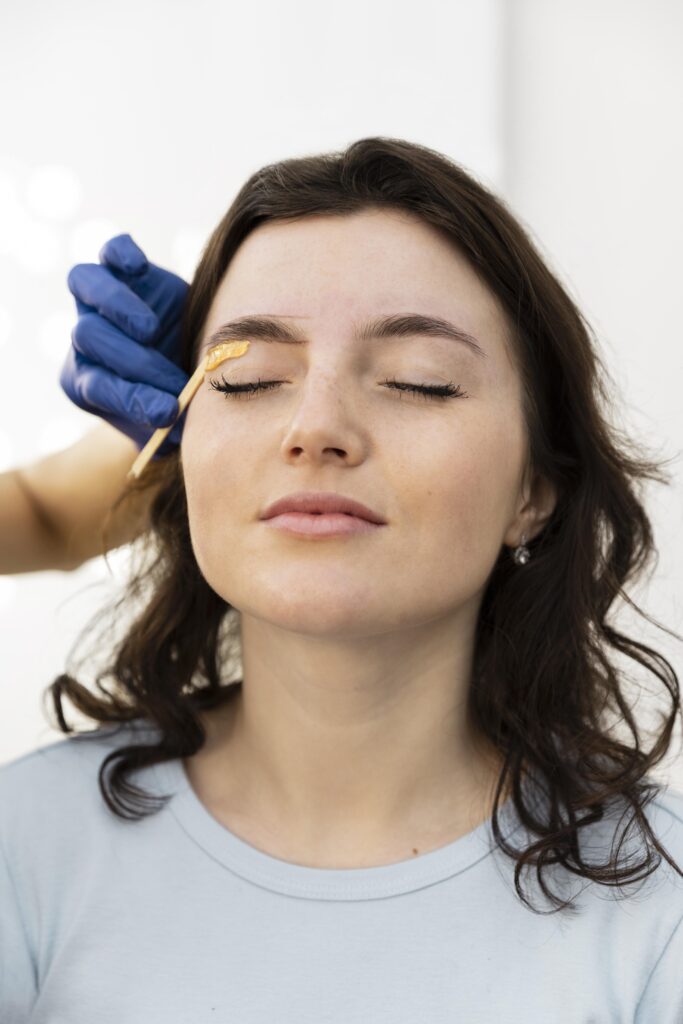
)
(226, 350)
(213, 358)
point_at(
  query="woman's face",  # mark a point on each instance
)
(445, 474)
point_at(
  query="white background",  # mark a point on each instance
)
(147, 117)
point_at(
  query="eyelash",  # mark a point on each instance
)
(436, 391)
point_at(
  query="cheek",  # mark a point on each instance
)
(214, 443)
(215, 468)
(465, 493)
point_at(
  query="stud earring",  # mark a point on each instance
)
(521, 553)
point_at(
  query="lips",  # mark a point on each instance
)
(321, 503)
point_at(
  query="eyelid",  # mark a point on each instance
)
(435, 392)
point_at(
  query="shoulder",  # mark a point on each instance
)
(648, 898)
(663, 812)
(75, 749)
(650, 904)
(665, 815)
(61, 778)
(661, 997)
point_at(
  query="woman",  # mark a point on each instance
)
(334, 744)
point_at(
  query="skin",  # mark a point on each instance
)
(41, 525)
(348, 744)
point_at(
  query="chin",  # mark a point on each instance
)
(306, 617)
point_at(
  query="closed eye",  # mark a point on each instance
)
(428, 391)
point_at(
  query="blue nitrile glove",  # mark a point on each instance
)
(123, 361)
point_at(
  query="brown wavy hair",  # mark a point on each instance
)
(543, 685)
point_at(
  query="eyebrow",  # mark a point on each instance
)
(275, 329)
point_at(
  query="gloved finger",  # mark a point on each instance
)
(123, 254)
(102, 343)
(141, 436)
(165, 293)
(96, 289)
(91, 387)
(173, 439)
(68, 375)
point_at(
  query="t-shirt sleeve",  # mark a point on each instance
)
(18, 985)
(662, 999)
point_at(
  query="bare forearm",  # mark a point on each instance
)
(52, 511)
(27, 542)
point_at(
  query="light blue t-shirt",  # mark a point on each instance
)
(175, 920)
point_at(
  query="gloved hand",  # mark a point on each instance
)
(123, 361)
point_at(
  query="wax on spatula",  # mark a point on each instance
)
(213, 358)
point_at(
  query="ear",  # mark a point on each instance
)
(536, 508)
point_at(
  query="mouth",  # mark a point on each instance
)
(322, 503)
(321, 524)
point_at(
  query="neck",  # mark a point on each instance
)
(371, 760)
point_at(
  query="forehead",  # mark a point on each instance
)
(385, 257)
(340, 271)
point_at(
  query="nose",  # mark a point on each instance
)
(324, 421)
